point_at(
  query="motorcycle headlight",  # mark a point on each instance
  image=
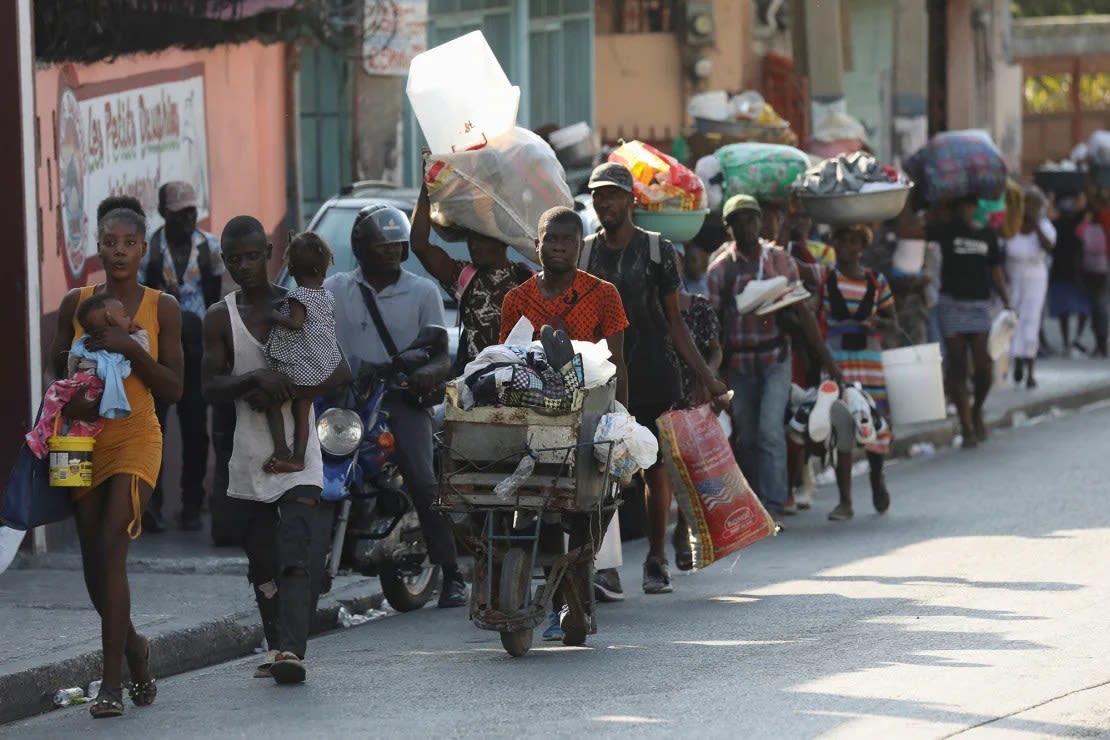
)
(340, 431)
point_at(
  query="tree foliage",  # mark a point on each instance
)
(1035, 8)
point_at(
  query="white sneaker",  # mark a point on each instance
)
(819, 423)
(860, 407)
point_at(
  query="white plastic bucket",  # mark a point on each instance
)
(460, 95)
(914, 383)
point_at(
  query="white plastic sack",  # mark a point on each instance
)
(708, 168)
(1002, 332)
(609, 555)
(521, 333)
(635, 448)
(500, 190)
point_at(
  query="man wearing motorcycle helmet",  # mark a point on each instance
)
(405, 304)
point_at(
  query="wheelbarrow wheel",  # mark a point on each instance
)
(514, 595)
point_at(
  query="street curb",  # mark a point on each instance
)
(31, 692)
(945, 432)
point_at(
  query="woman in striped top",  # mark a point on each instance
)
(852, 300)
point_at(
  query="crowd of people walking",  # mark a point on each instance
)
(680, 321)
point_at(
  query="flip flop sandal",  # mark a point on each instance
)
(263, 670)
(108, 703)
(841, 513)
(143, 693)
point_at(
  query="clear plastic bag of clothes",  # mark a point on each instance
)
(499, 190)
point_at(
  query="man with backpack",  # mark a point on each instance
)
(185, 262)
(643, 267)
(479, 286)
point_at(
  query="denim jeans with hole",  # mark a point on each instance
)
(758, 417)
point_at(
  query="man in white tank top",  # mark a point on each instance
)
(284, 536)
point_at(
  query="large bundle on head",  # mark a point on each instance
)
(764, 171)
(958, 164)
(500, 190)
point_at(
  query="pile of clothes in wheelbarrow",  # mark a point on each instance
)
(539, 374)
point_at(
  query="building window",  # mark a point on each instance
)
(635, 16)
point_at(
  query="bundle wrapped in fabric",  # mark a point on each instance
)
(499, 190)
(958, 164)
(765, 171)
(659, 181)
(723, 512)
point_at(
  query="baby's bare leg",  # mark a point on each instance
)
(294, 463)
(277, 434)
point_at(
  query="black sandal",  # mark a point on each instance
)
(142, 693)
(108, 703)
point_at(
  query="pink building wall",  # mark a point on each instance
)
(246, 130)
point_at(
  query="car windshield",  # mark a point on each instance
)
(334, 225)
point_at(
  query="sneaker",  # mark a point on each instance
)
(554, 631)
(860, 406)
(657, 577)
(288, 668)
(453, 592)
(819, 423)
(263, 670)
(607, 585)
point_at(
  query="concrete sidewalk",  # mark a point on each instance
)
(1062, 384)
(199, 615)
(193, 599)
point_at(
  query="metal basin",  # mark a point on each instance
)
(842, 209)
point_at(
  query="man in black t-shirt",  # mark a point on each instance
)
(971, 260)
(643, 268)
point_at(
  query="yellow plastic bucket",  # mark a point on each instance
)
(71, 461)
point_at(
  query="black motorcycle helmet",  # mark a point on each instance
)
(380, 224)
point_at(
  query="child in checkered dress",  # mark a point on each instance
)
(302, 344)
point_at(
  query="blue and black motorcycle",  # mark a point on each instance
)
(376, 531)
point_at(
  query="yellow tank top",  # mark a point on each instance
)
(133, 445)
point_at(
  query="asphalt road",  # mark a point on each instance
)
(977, 605)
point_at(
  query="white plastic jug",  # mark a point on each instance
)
(460, 94)
(914, 383)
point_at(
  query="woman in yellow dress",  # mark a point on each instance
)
(128, 452)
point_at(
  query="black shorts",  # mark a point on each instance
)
(648, 416)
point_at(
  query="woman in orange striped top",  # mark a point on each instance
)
(128, 451)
